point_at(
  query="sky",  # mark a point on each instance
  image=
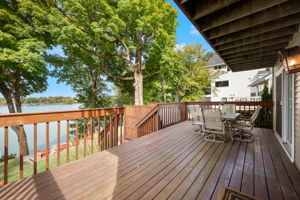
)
(186, 34)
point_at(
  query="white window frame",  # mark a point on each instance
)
(282, 140)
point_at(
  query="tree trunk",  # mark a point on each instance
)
(138, 87)
(94, 98)
(11, 108)
(138, 72)
(18, 103)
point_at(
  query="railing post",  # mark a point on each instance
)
(185, 111)
(158, 119)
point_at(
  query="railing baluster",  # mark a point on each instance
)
(121, 129)
(21, 150)
(58, 143)
(116, 130)
(167, 116)
(92, 135)
(99, 136)
(5, 155)
(76, 154)
(84, 137)
(164, 120)
(110, 131)
(105, 136)
(34, 148)
(68, 141)
(47, 145)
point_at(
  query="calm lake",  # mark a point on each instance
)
(12, 139)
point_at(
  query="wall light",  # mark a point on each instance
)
(291, 57)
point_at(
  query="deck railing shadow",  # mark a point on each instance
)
(29, 188)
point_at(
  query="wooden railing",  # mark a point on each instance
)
(102, 126)
(162, 116)
(167, 114)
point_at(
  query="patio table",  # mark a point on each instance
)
(229, 118)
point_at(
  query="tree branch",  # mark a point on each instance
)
(151, 74)
(116, 76)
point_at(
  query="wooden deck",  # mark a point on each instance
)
(173, 163)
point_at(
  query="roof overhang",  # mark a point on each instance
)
(261, 80)
(247, 34)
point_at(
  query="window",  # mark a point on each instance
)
(224, 99)
(222, 83)
(219, 67)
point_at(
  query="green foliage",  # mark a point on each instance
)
(13, 169)
(183, 76)
(265, 115)
(86, 80)
(119, 38)
(21, 52)
(266, 95)
(2, 101)
(10, 156)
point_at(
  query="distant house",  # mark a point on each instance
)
(230, 86)
(259, 81)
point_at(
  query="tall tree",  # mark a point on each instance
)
(22, 67)
(145, 30)
(183, 75)
(197, 78)
(86, 80)
(130, 35)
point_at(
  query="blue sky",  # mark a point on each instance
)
(186, 34)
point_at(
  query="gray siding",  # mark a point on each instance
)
(297, 120)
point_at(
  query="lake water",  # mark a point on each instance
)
(13, 146)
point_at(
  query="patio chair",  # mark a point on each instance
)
(228, 108)
(243, 131)
(213, 125)
(196, 117)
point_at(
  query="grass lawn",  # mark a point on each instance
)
(13, 164)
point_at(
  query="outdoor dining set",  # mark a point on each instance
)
(215, 124)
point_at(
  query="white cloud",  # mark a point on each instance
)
(194, 31)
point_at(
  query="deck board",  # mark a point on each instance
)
(173, 163)
(248, 173)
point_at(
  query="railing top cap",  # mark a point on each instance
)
(57, 112)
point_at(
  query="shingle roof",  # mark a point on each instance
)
(215, 60)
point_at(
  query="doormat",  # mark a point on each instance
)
(226, 193)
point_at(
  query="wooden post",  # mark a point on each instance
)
(68, 141)
(84, 137)
(35, 148)
(47, 146)
(99, 136)
(5, 155)
(58, 143)
(76, 155)
(92, 135)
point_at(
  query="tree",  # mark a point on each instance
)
(184, 75)
(144, 31)
(266, 95)
(86, 80)
(22, 67)
(130, 36)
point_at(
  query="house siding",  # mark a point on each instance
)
(297, 120)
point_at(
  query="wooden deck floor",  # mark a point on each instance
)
(174, 163)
